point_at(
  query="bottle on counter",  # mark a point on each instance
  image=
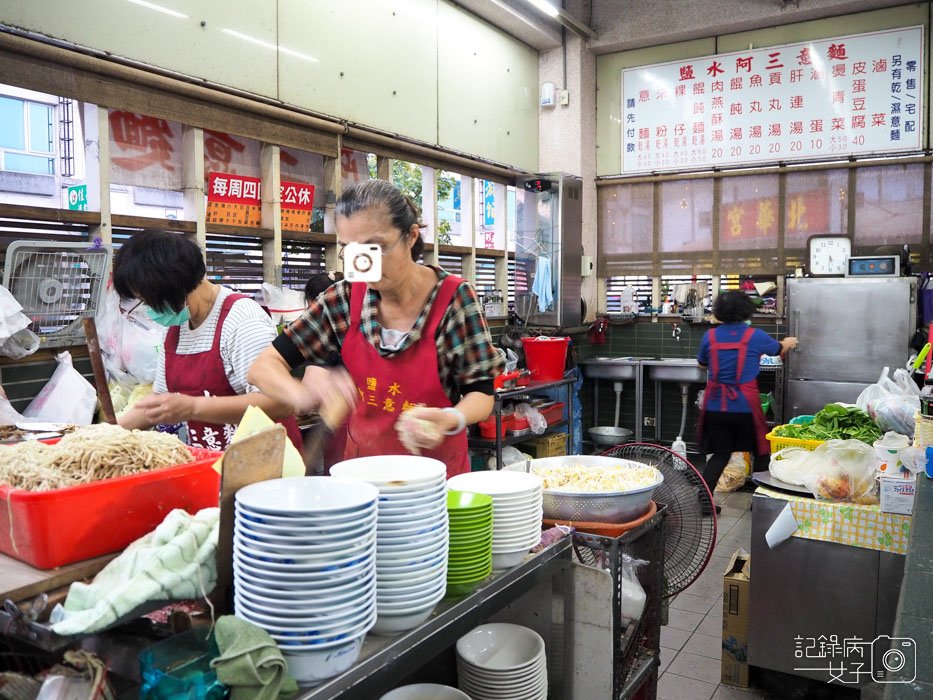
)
(926, 398)
(680, 447)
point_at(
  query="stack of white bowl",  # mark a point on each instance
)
(304, 569)
(499, 661)
(412, 541)
(516, 511)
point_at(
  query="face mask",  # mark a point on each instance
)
(170, 318)
(748, 322)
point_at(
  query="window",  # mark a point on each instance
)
(615, 285)
(485, 274)
(301, 260)
(27, 137)
(451, 263)
(235, 262)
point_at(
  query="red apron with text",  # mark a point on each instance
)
(717, 395)
(388, 386)
(203, 374)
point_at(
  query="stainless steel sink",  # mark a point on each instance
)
(617, 368)
(676, 370)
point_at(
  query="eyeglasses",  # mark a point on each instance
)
(383, 248)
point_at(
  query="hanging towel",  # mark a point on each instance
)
(177, 560)
(250, 662)
(542, 284)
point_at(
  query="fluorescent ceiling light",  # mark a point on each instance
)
(266, 44)
(545, 7)
(159, 8)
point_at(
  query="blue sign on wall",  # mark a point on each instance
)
(489, 203)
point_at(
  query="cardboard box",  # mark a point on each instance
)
(554, 445)
(736, 584)
(897, 495)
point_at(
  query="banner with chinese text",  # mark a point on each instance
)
(144, 151)
(297, 204)
(821, 99)
(234, 200)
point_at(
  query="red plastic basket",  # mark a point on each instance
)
(52, 528)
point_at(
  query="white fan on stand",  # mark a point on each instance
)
(58, 285)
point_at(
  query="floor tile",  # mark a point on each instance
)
(700, 668)
(693, 603)
(664, 659)
(684, 619)
(673, 638)
(674, 687)
(730, 692)
(704, 645)
(725, 523)
(712, 623)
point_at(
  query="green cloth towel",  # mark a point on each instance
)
(250, 662)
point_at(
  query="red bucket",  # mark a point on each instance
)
(546, 357)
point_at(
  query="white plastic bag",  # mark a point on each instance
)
(536, 421)
(792, 465)
(67, 398)
(843, 470)
(631, 594)
(284, 304)
(892, 402)
(130, 343)
(16, 340)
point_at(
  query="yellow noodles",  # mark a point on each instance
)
(606, 479)
(88, 454)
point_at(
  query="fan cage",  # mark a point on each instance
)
(640, 640)
(690, 530)
(58, 285)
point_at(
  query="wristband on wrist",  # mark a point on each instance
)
(461, 420)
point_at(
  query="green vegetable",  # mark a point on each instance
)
(834, 422)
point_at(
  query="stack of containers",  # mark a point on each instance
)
(517, 511)
(411, 543)
(304, 569)
(499, 661)
(470, 558)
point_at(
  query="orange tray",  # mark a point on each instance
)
(605, 529)
(52, 528)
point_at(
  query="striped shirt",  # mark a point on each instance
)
(466, 358)
(247, 331)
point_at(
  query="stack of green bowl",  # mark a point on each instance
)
(469, 559)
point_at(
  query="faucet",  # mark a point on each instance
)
(675, 332)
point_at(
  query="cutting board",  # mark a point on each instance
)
(247, 461)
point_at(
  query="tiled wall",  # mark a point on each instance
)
(654, 339)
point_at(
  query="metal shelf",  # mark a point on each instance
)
(643, 667)
(387, 661)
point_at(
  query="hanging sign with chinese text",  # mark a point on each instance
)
(297, 205)
(233, 200)
(821, 99)
(144, 151)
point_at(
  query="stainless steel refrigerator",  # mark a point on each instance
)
(849, 330)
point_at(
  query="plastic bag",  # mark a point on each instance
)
(16, 340)
(733, 476)
(791, 465)
(284, 304)
(129, 342)
(536, 421)
(892, 402)
(513, 459)
(843, 470)
(631, 594)
(67, 397)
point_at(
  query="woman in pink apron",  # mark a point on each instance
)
(731, 419)
(414, 343)
(213, 337)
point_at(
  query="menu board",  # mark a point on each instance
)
(831, 98)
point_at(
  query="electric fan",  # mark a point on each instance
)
(690, 527)
(58, 284)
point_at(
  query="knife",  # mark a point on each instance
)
(330, 417)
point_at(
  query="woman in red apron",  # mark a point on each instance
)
(731, 419)
(419, 360)
(213, 337)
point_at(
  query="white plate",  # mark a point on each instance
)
(499, 483)
(328, 521)
(393, 471)
(307, 495)
(322, 592)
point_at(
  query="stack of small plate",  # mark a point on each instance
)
(304, 569)
(411, 546)
(517, 511)
(470, 558)
(499, 661)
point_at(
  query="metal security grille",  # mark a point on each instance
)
(235, 261)
(300, 261)
(614, 286)
(485, 274)
(451, 263)
(41, 231)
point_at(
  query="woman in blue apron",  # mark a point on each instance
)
(731, 419)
